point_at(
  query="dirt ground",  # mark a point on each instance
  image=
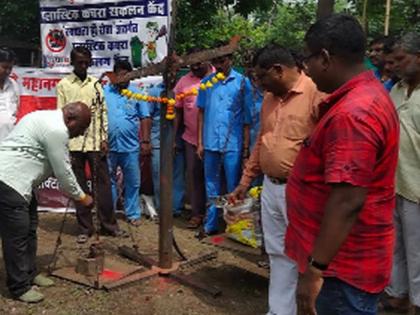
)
(243, 283)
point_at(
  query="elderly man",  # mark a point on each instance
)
(405, 280)
(35, 148)
(340, 194)
(288, 115)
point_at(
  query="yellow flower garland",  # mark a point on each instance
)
(170, 109)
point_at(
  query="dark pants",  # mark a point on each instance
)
(101, 187)
(339, 298)
(18, 224)
(195, 176)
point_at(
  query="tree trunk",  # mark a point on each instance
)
(325, 8)
(364, 17)
(387, 16)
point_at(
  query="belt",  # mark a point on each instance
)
(277, 180)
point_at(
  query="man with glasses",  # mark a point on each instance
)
(223, 116)
(187, 114)
(288, 115)
(340, 194)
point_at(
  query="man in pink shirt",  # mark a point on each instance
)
(187, 113)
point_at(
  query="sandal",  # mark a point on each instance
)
(134, 222)
(194, 223)
(82, 238)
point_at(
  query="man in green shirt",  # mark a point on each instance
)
(36, 148)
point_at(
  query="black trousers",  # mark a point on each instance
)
(18, 224)
(102, 186)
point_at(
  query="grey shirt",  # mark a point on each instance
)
(36, 148)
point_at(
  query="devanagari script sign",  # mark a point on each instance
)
(132, 30)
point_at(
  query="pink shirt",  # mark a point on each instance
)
(185, 84)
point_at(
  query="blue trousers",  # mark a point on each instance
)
(214, 162)
(178, 180)
(339, 298)
(129, 164)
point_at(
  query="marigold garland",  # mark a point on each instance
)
(170, 109)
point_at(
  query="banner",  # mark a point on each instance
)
(37, 88)
(133, 30)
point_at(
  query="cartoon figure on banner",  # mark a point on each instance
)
(55, 40)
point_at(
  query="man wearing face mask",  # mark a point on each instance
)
(92, 147)
(124, 115)
(36, 148)
(222, 120)
(187, 113)
(9, 98)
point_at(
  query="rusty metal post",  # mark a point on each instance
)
(166, 160)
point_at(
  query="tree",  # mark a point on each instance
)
(325, 8)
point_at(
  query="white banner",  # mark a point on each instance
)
(132, 30)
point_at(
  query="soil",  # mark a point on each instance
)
(243, 283)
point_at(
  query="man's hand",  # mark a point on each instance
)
(309, 286)
(146, 149)
(104, 147)
(200, 151)
(238, 194)
(86, 201)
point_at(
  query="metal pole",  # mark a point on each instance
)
(166, 160)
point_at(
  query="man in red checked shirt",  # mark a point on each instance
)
(341, 192)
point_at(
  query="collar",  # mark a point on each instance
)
(7, 84)
(360, 79)
(74, 78)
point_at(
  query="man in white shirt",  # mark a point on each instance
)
(9, 97)
(36, 148)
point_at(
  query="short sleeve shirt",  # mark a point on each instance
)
(225, 112)
(124, 115)
(355, 142)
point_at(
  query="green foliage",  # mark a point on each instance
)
(19, 20)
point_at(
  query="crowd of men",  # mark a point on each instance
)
(335, 146)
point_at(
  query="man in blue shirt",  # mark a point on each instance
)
(222, 119)
(124, 115)
(254, 104)
(151, 145)
(377, 58)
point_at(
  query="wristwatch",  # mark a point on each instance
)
(312, 262)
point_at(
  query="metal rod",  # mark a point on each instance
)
(166, 161)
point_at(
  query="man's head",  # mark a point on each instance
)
(121, 68)
(389, 66)
(77, 118)
(406, 55)
(335, 48)
(376, 51)
(7, 61)
(200, 69)
(275, 69)
(81, 59)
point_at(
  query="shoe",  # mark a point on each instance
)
(134, 222)
(43, 281)
(31, 296)
(82, 238)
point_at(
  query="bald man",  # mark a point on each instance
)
(36, 148)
